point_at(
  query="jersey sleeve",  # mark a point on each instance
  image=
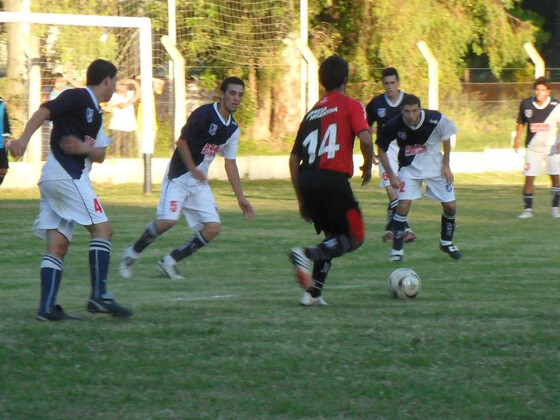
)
(385, 135)
(358, 117)
(63, 103)
(229, 151)
(370, 112)
(102, 139)
(446, 128)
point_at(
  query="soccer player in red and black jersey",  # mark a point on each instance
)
(320, 167)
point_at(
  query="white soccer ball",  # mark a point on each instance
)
(403, 283)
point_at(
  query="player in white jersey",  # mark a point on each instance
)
(380, 110)
(210, 130)
(67, 197)
(541, 114)
(420, 134)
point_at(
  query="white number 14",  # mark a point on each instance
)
(328, 144)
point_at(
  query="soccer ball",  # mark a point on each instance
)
(403, 283)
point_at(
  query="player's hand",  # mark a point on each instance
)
(447, 174)
(199, 175)
(375, 159)
(366, 175)
(72, 145)
(16, 147)
(516, 145)
(395, 181)
(248, 212)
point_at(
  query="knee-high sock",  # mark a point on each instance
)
(329, 248)
(391, 209)
(447, 227)
(555, 192)
(189, 247)
(527, 201)
(99, 256)
(150, 234)
(320, 271)
(51, 275)
(399, 226)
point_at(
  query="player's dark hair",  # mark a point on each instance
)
(333, 72)
(390, 71)
(98, 70)
(541, 81)
(411, 100)
(232, 80)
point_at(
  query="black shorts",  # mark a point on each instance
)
(4, 159)
(328, 198)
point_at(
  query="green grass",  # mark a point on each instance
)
(480, 341)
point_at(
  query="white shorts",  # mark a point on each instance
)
(393, 156)
(533, 163)
(436, 188)
(195, 201)
(65, 203)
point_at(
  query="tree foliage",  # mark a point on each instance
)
(381, 33)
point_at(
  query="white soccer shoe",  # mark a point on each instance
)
(169, 269)
(527, 214)
(127, 263)
(555, 213)
(302, 265)
(308, 300)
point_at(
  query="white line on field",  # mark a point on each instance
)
(201, 298)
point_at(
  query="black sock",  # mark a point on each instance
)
(399, 226)
(528, 201)
(555, 191)
(149, 236)
(320, 271)
(447, 227)
(391, 209)
(329, 248)
(189, 247)
(2, 178)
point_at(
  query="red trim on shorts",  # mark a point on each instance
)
(356, 224)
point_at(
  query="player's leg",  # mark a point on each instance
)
(553, 170)
(399, 228)
(438, 189)
(3, 164)
(533, 163)
(201, 213)
(312, 295)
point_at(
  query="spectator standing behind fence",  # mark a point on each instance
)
(123, 121)
(6, 133)
(541, 114)
(157, 86)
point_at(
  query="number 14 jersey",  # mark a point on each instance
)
(325, 139)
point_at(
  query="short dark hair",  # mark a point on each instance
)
(333, 72)
(98, 70)
(232, 80)
(541, 81)
(390, 71)
(411, 100)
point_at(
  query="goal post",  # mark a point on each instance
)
(143, 24)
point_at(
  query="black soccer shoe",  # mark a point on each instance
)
(107, 305)
(452, 250)
(57, 314)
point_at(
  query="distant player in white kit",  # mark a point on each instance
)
(67, 198)
(541, 114)
(420, 134)
(380, 110)
(210, 130)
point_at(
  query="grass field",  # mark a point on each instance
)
(481, 340)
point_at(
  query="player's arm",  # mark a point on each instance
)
(366, 147)
(518, 135)
(17, 147)
(383, 141)
(186, 156)
(72, 145)
(446, 168)
(232, 173)
(294, 164)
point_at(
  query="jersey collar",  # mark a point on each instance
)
(93, 98)
(397, 102)
(420, 122)
(224, 122)
(543, 106)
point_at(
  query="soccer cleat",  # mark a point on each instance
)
(127, 262)
(452, 250)
(409, 236)
(387, 236)
(308, 300)
(555, 213)
(302, 265)
(527, 213)
(396, 256)
(57, 314)
(169, 270)
(106, 305)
